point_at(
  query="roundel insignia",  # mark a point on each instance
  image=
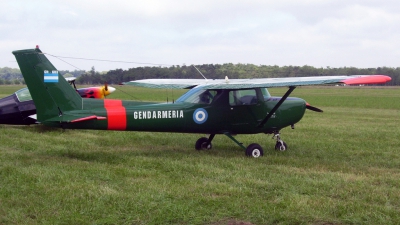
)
(200, 116)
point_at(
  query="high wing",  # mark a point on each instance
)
(70, 79)
(259, 82)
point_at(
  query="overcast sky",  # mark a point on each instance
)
(320, 33)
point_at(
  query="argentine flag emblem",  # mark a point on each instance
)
(51, 77)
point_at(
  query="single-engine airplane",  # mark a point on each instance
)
(221, 106)
(19, 109)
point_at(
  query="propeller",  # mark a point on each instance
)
(107, 90)
(315, 109)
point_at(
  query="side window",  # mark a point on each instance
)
(198, 96)
(207, 96)
(243, 97)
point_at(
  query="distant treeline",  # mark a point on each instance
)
(210, 71)
(10, 76)
(14, 76)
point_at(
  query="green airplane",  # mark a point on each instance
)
(220, 106)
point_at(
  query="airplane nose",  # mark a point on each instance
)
(111, 89)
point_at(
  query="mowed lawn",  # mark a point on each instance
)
(342, 167)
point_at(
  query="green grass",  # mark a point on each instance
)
(342, 167)
(6, 90)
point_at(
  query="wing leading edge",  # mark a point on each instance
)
(259, 82)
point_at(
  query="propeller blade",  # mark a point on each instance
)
(315, 109)
(107, 90)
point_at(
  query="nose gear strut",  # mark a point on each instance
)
(280, 145)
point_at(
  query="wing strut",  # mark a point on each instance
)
(291, 88)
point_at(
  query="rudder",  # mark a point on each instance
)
(50, 91)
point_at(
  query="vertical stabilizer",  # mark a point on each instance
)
(49, 90)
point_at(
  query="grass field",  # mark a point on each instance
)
(342, 167)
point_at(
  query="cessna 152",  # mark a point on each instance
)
(223, 106)
(19, 109)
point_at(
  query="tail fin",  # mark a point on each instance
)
(49, 90)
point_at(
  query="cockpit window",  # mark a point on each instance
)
(198, 96)
(243, 97)
(23, 95)
(265, 93)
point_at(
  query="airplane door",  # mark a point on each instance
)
(247, 109)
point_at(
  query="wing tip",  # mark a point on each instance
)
(372, 79)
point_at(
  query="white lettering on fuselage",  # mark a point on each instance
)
(168, 114)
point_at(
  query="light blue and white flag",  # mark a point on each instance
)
(51, 77)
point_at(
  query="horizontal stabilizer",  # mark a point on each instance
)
(75, 118)
(89, 118)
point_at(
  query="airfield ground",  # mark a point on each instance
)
(342, 167)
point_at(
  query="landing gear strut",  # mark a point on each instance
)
(253, 150)
(280, 145)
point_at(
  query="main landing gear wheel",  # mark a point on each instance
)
(254, 150)
(280, 146)
(202, 144)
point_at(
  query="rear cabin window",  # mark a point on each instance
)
(243, 97)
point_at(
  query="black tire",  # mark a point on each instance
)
(280, 147)
(201, 144)
(254, 150)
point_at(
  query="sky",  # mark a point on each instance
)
(123, 34)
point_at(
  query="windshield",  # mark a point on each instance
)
(23, 95)
(265, 93)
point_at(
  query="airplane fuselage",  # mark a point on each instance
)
(217, 117)
(16, 112)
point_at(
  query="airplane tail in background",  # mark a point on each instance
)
(50, 91)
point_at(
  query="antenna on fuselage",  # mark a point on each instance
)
(199, 72)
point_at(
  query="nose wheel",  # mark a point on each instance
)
(280, 145)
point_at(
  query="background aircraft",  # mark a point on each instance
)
(19, 109)
(222, 106)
